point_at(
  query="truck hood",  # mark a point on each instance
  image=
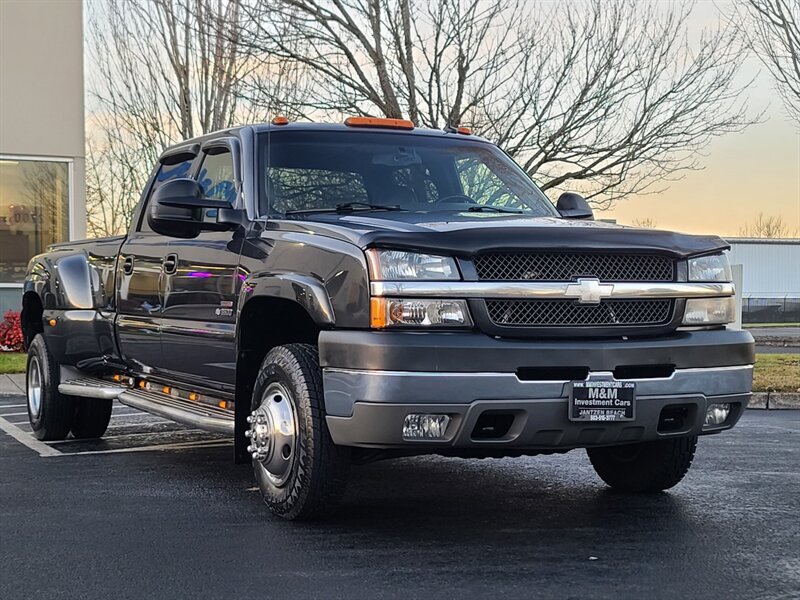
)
(465, 234)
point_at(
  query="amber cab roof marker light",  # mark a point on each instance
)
(280, 120)
(457, 129)
(376, 122)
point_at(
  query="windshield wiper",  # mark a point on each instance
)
(487, 208)
(346, 207)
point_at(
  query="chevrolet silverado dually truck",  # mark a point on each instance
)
(331, 294)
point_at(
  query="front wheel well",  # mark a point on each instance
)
(264, 324)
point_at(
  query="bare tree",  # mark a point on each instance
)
(432, 61)
(767, 227)
(611, 99)
(162, 71)
(772, 30)
(646, 223)
(616, 100)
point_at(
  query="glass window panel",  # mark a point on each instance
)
(34, 212)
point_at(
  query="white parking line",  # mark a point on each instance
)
(155, 447)
(12, 405)
(27, 439)
(127, 435)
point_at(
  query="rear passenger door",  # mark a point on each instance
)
(140, 287)
(202, 284)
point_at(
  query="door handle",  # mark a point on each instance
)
(170, 263)
(127, 265)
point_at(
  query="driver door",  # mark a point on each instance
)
(201, 285)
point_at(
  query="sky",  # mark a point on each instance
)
(744, 174)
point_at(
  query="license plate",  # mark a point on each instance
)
(602, 401)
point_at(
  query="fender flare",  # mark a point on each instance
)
(308, 292)
(63, 281)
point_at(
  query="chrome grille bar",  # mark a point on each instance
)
(545, 289)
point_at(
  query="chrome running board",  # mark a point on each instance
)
(89, 387)
(201, 416)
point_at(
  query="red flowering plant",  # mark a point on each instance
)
(11, 332)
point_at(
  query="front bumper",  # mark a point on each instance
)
(468, 374)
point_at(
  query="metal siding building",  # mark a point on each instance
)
(771, 278)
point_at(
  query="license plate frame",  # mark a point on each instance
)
(602, 401)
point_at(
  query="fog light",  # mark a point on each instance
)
(717, 414)
(425, 427)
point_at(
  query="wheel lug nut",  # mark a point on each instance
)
(249, 419)
(248, 433)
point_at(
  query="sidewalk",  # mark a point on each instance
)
(12, 385)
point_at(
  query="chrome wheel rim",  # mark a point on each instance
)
(34, 390)
(273, 434)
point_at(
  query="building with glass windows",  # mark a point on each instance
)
(42, 183)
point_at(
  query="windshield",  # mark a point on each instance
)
(312, 171)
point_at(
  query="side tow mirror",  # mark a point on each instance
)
(574, 206)
(177, 208)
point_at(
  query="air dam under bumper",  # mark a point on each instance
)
(367, 406)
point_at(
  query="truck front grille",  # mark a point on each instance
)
(537, 266)
(569, 313)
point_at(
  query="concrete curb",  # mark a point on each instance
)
(774, 400)
(12, 385)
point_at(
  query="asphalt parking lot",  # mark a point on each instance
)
(159, 511)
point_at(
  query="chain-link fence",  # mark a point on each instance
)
(771, 310)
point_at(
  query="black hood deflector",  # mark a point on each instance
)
(468, 242)
(467, 234)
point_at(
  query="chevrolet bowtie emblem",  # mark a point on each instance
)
(589, 291)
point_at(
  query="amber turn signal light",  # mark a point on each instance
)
(280, 120)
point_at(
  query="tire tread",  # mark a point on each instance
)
(323, 481)
(659, 465)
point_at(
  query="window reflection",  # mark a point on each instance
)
(34, 212)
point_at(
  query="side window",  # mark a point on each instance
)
(216, 177)
(165, 173)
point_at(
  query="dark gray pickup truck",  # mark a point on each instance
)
(338, 294)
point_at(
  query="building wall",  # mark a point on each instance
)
(771, 267)
(771, 283)
(42, 140)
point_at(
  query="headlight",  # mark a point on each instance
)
(710, 311)
(388, 265)
(399, 312)
(710, 268)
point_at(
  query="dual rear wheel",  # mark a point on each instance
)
(54, 415)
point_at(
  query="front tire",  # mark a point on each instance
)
(646, 467)
(50, 413)
(300, 471)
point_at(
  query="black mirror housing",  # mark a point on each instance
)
(574, 206)
(176, 209)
